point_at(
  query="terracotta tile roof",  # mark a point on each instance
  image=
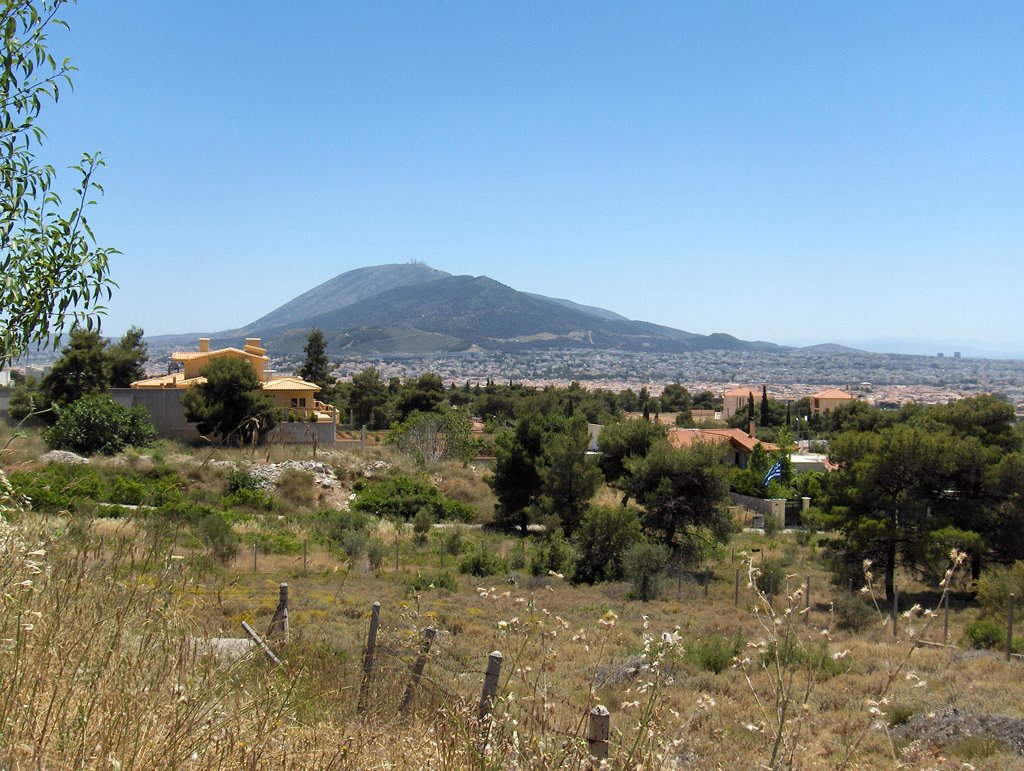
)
(832, 393)
(742, 391)
(174, 380)
(289, 384)
(190, 355)
(737, 437)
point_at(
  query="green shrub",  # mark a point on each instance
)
(401, 497)
(898, 714)
(276, 541)
(481, 562)
(59, 486)
(440, 580)
(818, 659)
(644, 565)
(996, 585)
(332, 527)
(240, 479)
(257, 500)
(985, 633)
(604, 535)
(376, 552)
(715, 652)
(96, 424)
(853, 613)
(215, 531)
(452, 541)
(768, 570)
(553, 554)
(421, 525)
(355, 543)
(127, 491)
(188, 512)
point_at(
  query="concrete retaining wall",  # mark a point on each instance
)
(168, 417)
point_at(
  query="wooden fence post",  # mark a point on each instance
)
(597, 734)
(895, 608)
(490, 689)
(417, 670)
(279, 623)
(807, 600)
(371, 645)
(1009, 627)
(254, 558)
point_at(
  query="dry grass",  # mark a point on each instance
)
(99, 670)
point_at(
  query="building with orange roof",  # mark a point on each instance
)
(829, 399)
(735, 400)
(293, 395)
(737, 445)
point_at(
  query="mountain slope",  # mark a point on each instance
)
(457, 313)
(347, 289)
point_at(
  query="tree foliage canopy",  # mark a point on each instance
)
(231, 403)
(53, 276)
(684, 494)
(317, 367)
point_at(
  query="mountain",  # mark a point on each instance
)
(348, 289)
(412, 308)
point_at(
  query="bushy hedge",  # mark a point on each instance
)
(97, 424)
(401, 497)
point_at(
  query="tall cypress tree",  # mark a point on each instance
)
(764, 405)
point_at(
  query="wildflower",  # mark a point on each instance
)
(705, 702)
(503, 625)
(608, 619)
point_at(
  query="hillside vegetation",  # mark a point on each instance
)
(121, 574)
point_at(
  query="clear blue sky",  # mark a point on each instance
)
(780, 171)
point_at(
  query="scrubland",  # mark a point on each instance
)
(109, 609)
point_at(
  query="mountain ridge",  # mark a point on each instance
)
(414, 308)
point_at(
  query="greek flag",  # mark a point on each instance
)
(775, 472)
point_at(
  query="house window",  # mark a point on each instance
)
(295, 402)
(302, 402)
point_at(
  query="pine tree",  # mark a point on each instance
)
(317, 368)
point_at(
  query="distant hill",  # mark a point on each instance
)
(412, 308)
(829, 348)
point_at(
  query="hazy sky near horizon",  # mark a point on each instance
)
(792, 172)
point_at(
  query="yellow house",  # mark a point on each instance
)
(292, 394)
(829, 399)
(735, 400)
